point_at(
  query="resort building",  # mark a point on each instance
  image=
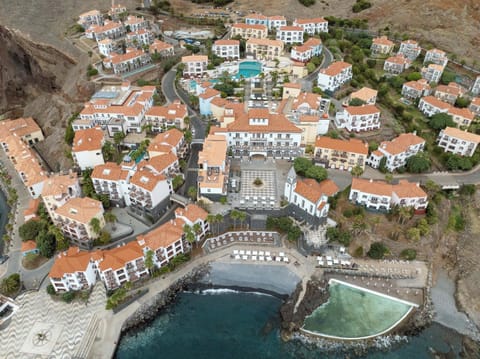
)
(476, 86)
(448, 93)
(142, 37)
(461, 116)
(110, 29)
(161, 117)
(195, 217)
(334, 76)
(381, 46)
(291, 90)
(410, 49)
(475, 106)
(313, 25)
(15, 135)
(247, 31)
(89, 18)
(430, 105)
(75, 218)
(112, 180)
(135, 23)
(31, 211)
(290, 34)
(116, 10)
(227, 49)
(397, 151)
(308, 195)
(161, 48)
(119, 265)
(73, 270)
(340, 154)
(380, 195)
(213, 167)
(131, 60)
(117, 109)
(365, 94)
(396, 64)
(106, 47)
(311, 126)
(87, 148)
(171, 140)
(432, 73)
(58, 190)
(358, 118)
(149, 192)
(312, 47)
(195, 65)
(29, 247)
(413, 90)
(458, 142)
(264, 49)
(165, 242)
(436, 56)
(205, 99)
(272, 22)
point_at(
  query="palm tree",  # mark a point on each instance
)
(357, 171)
(218, 219)
(192, 192)
(110, 217)
(95, 224)
(62, 242)
(234, 214)
(197, 228)
(189, 235)
(149, 260)
(211, 221)
(404, 214)
(242, 216)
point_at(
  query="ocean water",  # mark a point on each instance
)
(227, 324)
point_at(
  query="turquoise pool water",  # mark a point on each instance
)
(354, 313)
(248, 69)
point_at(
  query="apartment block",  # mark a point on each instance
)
(131, 60)
(247, 31)
(381, 46)
(89, 18)
(334, 76)
(432, 73)
(162, 117)
(264, 49)
(195, 65)
(213, 167)
(161, 48)
(436, 56)
(87, 148)
(410, 49)
(358, 118)
(290, 34)
(449, 93)
(340, 154)
(413, 90)
(458, 142)
(312, 47)
(396, 64)
(227, 49)
(312, 25)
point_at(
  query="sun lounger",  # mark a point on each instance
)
(261, 258)
(255, 253)
(248, 253)
(254, 258)
(281, 254)
(261, 253)
(278, 259)
(235, 251)
(244, 258)
(237, 257)
(285, 259)
(241, 252)
(269, 259)
(267, 254)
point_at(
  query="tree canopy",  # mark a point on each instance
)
(30, 230)
(46, 244)
(418, 163)
(441, 120)
(377, 250)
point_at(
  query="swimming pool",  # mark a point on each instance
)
(248, 69)
(354, 313)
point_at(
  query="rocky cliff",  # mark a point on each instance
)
(40, 81)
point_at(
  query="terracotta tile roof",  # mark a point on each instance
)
(117, 258)
(81, 210)
(256, 17)
(32, 208)
(171, 111)
(227, 43)
(335, 68)
(382, 40)
(209, 93)
(405, 189)
(292, 85)
(163, 236)
(172, 137)
(276, 123)
(219, 101)
(398, 59)
(265, 42)
(195, 58)
(248, 26)
(90, 139)
(159, 163)
(90, 13)
(377, 153)
(437, 51)
(70, 261)
(364, 94)
(108, 25)
(401, 143)
(129, 55)
(276, 17)
(362, 110)
(131, 20)
(28, 246)
(352, 145)
(461, 135)
(309, 118)
(20, 127)
(435, 102)
(451, 89)
(291, 28)
(192, 212)
(315, 20)
(58, 184)
(308, 98)
(312, 42)
(159, 46)
(419, 85)
(379, 188)
(461, 112)
(436, 67)
(313, 191)
(475, 101)
(110, 172)
(147, 179)
(410, 42)
(214, 150)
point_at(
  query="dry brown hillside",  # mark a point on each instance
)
(453, 25)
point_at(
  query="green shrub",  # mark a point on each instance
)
(68, 296)
(409, 254)
(377, 250)
(307, 3)
(51, 290)
(358, 252)
(347, 213)
(361, 5)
